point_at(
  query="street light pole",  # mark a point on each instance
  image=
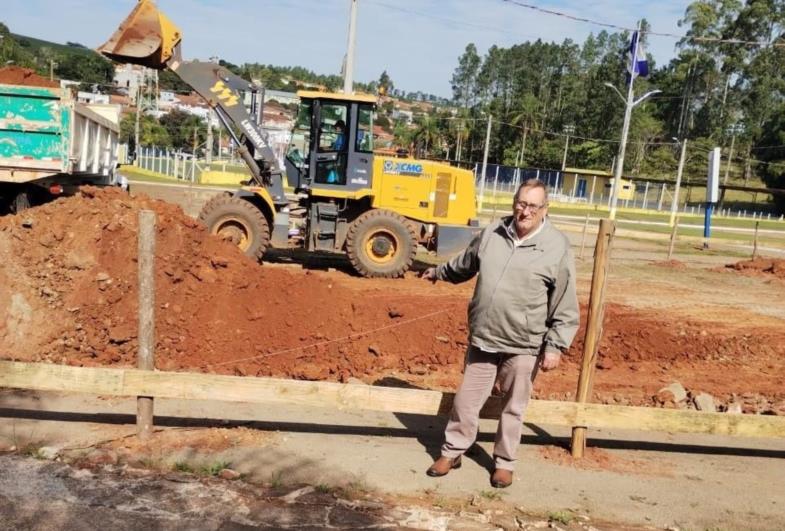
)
(484, 164)
(629, 103)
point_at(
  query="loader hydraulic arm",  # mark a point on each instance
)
(223, 91)
(148, 38)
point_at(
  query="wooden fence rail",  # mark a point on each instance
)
(195, 386)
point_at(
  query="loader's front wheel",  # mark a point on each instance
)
(237, 221)
(381, 243)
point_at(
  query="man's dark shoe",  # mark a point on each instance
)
(441, 466)
(501, 478)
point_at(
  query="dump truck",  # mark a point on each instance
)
(51, 144)
(376, 209)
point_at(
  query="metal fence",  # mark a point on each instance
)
(183, 166)
(502, 181)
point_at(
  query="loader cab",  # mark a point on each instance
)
(331, 147)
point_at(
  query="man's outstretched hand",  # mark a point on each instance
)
(429, 274)
(550, 360)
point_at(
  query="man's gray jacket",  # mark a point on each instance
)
(525, 299)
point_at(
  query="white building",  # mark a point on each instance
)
(404, 116)
(90, 97)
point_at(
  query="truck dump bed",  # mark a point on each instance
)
(45, 133)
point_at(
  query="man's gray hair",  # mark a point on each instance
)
(532, 183)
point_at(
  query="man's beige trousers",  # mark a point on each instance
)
(516, 375)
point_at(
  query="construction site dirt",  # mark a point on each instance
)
(68, 294)
(16, 75)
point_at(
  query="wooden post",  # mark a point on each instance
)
(583, 239)
(673, 237)
(146, 356)
(755, 242)
(594, 319)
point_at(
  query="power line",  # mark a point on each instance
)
(463, 23)
(717, 40)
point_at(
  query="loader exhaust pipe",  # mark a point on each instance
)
(146, 37)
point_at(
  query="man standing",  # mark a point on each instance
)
(523, 315)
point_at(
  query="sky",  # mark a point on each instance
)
(418, 42)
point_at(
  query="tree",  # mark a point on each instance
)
(180, 127)
(385, 84)
(87, 68)
(464, 80)
(427, 133)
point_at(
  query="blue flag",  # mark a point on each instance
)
(636, 62)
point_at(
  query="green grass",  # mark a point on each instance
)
(561, 517)
(36, 44)
(183, 466)
(214, 468)
(133, 173)
(152, 164)
(32, 449)
(597, 211)
(492, 495)
(276, 479)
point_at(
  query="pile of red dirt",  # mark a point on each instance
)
(68, 294)
(16, 75)
(761, 267)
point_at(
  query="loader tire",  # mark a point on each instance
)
(381, 243)
(237, 221)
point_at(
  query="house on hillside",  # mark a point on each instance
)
(282, 97)
(403, 116)
(91, 97)
(382, 139)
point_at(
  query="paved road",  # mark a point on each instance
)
(693, 482)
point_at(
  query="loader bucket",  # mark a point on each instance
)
(146, 37)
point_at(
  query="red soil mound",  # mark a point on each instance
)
(761, 266)
(68, 294)
(16, 75)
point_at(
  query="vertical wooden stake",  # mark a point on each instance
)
(583, 240)
(146, 356)
(673, 237)
(593, 326)
(755, 241)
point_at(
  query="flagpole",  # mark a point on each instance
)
(628, 104)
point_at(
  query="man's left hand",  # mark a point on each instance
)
(550, 360)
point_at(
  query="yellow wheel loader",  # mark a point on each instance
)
(347, 199)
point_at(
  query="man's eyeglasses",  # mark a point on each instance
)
(532, 207)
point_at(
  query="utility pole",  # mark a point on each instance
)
(733, 130)
(209, 147)
(484, 164)
(51, 70)
(675, 203)
(348, 70)
(629, 103)
(568, 130)
(136, 124)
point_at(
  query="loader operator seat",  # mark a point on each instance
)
(332, 144)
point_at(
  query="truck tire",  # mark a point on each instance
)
(237, 221)
(21, 202)
(381, 243)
